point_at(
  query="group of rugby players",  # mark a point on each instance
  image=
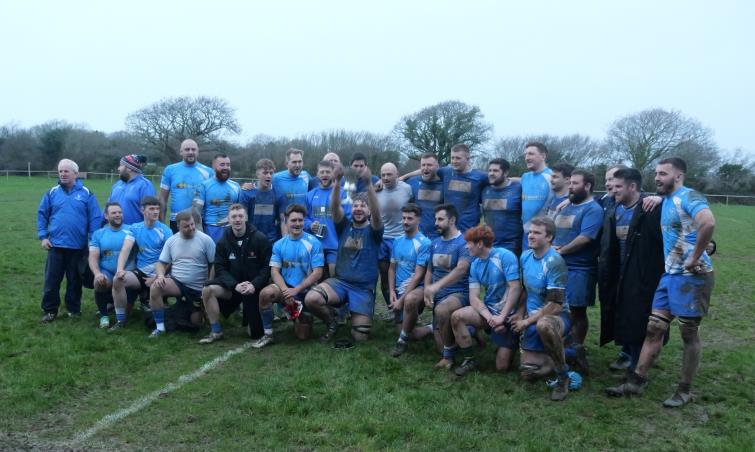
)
(316, 246)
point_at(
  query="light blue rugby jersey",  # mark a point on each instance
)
(297, 258)
(679, 234)
(294, 189)
(108, 242)
(541, 274)
(494, 274)
(408, 252)
(182, 181)
(216, 197)
(149, 244)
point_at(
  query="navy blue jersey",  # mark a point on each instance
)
(502, 207)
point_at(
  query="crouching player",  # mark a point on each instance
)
(296, 265)
(406, 273)
(104, 249)
(356, 266)
(547, 322)
(149, 237)
(241, 271)
(496, 270)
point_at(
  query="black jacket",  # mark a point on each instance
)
(626, 297)
(248, 261)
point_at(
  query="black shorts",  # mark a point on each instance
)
(142, 278)
(189, 295)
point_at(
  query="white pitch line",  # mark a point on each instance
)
(141, 403)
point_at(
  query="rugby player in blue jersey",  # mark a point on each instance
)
(462, 187)
(131, 187)
(295, 266)
(189, 254)
(359, 164)
(263, 203)
(536, 186)
(356, 266)
(215, 195)
(319, 219)
(687, 224)
(293, 182)
(68, 213)
(180, 182)
(147, 238)
(560, 176)
(578, 227)
(446, 280)
(104, 249)
(427, 190)
(495, 271)
(406, 275)
(502, 206)
(543, 318)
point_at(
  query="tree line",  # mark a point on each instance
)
(638, 139)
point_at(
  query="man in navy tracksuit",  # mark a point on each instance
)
(67, 215)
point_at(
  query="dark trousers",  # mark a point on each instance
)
(69, 263)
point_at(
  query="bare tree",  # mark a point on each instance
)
(164, 124)
(439, 127)
(579, 150)
(643, 138)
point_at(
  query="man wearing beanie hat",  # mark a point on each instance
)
(131, 187)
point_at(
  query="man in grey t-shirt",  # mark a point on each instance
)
(190, 254)
(394, 195)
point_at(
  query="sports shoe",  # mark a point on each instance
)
(679, 399)
(116, 328)
(575, 381)
(263, 341)
(104, 322)
(622, 363)
(156, 334)
(468, 365)
(212, 337)
(444, 364)
(49, 317)
(579, 362)
(399, 349)
(634, 385)
(74, 315)
(560, 389)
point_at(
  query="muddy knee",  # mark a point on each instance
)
(689, 327)
(361, 332)
(657, 326)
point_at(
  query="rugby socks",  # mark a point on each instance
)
(449, 352)
(159, 315)
(215, 327)
(101, 300)
(403, 337)
(267, 320)
(120, 315)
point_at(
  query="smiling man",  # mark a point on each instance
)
(215, 196)
(536, 186)
(131, 187)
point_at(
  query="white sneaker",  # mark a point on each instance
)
(263, 341)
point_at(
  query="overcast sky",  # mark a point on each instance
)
(292, 67)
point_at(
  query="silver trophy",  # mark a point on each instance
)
(350, 178)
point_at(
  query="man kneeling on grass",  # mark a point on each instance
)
(296, 265)
(547, 322)
(190, 254)
(242, 256)
(496, 270)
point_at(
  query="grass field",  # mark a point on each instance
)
(60, 382)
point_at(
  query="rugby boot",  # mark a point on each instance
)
(399, 349)
(560, 389)
(681, 397)
(633, 385)
(468, 365)
(212, 337)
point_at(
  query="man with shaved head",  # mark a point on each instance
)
(180, 182)
(394, 195)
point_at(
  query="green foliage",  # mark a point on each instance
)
(439, 127)
(58, 380)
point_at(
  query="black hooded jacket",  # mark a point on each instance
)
(245, 258)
